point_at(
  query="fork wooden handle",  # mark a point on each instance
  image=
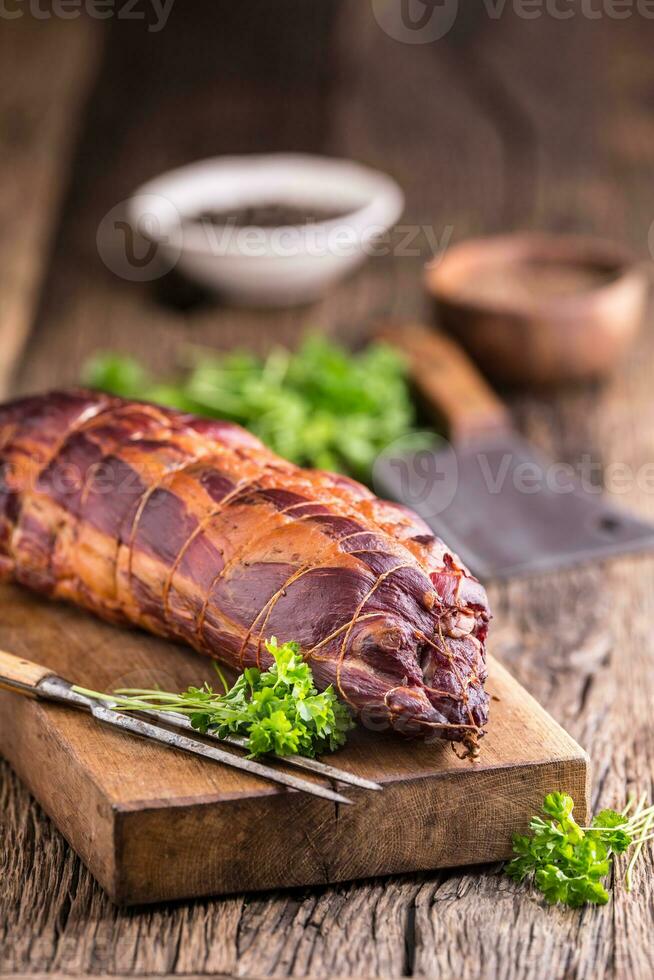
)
(20, 675)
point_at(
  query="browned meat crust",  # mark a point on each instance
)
(192, 529)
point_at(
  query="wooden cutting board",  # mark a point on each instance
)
(153, 824)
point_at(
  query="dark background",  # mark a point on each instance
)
(503, 123)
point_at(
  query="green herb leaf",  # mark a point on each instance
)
(320, 406)
(558, 805)
(566, 862)
(278, 710)
(115, 373)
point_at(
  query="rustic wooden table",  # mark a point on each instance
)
(505, 122)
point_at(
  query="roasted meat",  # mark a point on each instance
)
(192, 529)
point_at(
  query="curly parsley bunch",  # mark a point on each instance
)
(320, 406)
(568, 863)
(277, 710)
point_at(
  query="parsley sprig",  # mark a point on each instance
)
(568, 863)
(321, 405)
(278, 710)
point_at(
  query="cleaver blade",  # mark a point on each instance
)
(505, 508)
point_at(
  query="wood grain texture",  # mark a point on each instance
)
(505, 123)
(154, 824)
(39, 122)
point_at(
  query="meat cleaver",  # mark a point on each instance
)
(503, 506)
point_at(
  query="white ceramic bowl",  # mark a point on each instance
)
(272, 266)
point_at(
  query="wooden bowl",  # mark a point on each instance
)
(540, 309)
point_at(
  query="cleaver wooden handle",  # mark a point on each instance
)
(448, 382)
(21, 676)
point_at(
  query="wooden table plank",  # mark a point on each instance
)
(46, 68)
(503, 122)
(583, 654)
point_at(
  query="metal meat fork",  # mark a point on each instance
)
(24, 677)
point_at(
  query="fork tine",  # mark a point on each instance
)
(157, 734)
(57, 689)
(298, 761)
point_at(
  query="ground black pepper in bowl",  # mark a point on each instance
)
(266, 215)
